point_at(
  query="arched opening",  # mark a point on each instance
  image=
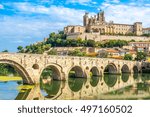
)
(35, 66)
(94, 71)
(135, 70)
(110, 80)
(50, 73)
(95, 76)
(12, 76)
(110, 69)
(76, 72)
(50, 81)
(18, 69)
(125, 69)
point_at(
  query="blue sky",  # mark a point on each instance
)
(24, 22)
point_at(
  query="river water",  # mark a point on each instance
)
(116, 87)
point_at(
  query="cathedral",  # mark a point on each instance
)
(97, 24)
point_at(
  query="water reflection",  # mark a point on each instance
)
(125, 77)
(110, 80)
(50, 89)
(145, 77)
(75, 84)
(81, 88)
(136, 76)
(94, 80)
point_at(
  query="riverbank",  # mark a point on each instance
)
(9, 78)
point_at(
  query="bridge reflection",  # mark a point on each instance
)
(107, 87)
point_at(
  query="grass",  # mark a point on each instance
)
(8, 78)
(23, 88)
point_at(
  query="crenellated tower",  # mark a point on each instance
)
(86, 19)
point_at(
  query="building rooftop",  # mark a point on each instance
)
(139, 43)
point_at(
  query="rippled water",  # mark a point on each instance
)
(126, 86)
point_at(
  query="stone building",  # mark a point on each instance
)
(97, 24)
(146, 30)
(141, 46)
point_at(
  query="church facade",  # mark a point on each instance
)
(98, 25)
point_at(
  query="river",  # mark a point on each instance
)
(116, 87)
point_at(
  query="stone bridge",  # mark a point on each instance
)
(31, 66)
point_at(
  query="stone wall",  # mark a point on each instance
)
(98, 37)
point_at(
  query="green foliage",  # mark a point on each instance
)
(6, 70)
(140, 56)
(147, 35)
(5, 51)
(132, 40)
(20, 49)
(128, 57)
(91, 43)
(114, 43)
(76, 52)
(59, 40)
(52, 52)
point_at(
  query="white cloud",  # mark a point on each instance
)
(79, 1)
(1, 6)
(115, 1)
(112, 1)
(26, 28)
(122, 13)
(82, 2)
(56, 13)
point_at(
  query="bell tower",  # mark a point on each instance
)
(101, 17)
(85, 19)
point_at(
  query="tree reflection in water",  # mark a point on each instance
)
(110, 79)
(125, 77)
(75, 84)
(50, 89)
(145, 77)
(94, 80)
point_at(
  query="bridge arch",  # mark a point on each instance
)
(77, 72)
(20, 69)
(95, 71)
(125, 69)
(53, 70)
(135, 69)
(110, 68)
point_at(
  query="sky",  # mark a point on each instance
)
(23, 22)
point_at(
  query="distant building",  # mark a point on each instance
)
(98, 24)
(146, 30)
(116, 53)
(140, 46)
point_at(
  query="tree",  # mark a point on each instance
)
(76, 52)
(52, 52)
(20, 49)
(128, 57)
(141, 56)
(46, 47)
(5, 51)
(91, 43)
